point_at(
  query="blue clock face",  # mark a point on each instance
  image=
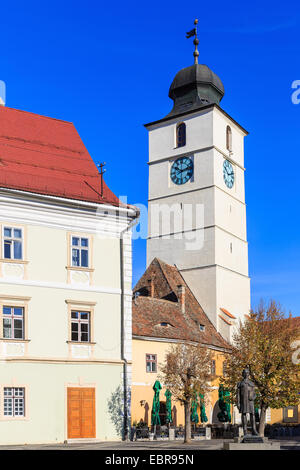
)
(228, 174)
(182, 170)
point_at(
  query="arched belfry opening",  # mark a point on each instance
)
(180, 134)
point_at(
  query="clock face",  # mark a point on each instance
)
(182, 170)
(228, 174)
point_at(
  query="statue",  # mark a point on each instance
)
(245, 401)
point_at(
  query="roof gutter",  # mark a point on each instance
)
(126, 389)
(130, 210)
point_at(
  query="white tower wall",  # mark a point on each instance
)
(216, 269)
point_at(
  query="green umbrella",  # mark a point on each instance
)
(224, 415)
(256, 411)
(203, 416)
(194, 406)
(168, 395)
(155, 419)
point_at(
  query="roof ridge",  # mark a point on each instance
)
(39, 115)
(160, 262)
(196, 300)
(192, 294)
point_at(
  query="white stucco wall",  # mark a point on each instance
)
(46, 399)
(46, 362)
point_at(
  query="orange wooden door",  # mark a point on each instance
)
(81, 413)
(88, 428)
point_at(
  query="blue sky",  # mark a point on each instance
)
(107, 67)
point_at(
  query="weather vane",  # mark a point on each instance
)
(190, 34)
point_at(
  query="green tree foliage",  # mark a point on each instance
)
(186, 371)
(263, 343)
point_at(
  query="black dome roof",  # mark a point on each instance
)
(194, 87)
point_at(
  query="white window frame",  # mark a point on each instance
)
(80, 248)
(17, 399)
(12, 239)
(79, 322)
(151, 361)
(13, 317)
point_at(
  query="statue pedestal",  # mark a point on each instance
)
(250, 442)
(250, 439)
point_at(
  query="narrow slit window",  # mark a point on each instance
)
(180, 135)
(213, 367)
(229, 138)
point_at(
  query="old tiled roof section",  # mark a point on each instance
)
(149, 312)
(47, 156)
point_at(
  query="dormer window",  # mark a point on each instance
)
(229, 139)
(164, 324)
(200, 325)
(180, 134)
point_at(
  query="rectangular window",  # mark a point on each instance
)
(151, 363)
(13, 242)
(80, 252)
(14, 401)
(80, 326)
(13, 322)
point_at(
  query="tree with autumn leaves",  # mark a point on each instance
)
(186, 371)
(264, 343)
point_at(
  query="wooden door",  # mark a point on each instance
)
(81, 413)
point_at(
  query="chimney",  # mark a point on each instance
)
(151, 287)
(181, 297)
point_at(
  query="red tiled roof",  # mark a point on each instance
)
(228, 313)
(149, 312)
(47, 156)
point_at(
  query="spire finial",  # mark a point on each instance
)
(190, 34)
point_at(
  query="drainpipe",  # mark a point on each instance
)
(123, 357)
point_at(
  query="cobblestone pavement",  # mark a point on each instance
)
(214, 444)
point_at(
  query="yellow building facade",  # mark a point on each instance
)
(165, 312)
(143, 381)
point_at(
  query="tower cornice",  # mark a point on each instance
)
(195, 111)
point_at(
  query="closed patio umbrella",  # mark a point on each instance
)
(168, 395)
(194, 406)
(155, 419)
(203, 416)
(224, 415)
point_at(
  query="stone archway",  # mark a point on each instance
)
(216, 410)
(162, 413)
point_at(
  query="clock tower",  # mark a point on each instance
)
(197, 211)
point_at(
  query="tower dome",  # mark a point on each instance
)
(194, 87)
